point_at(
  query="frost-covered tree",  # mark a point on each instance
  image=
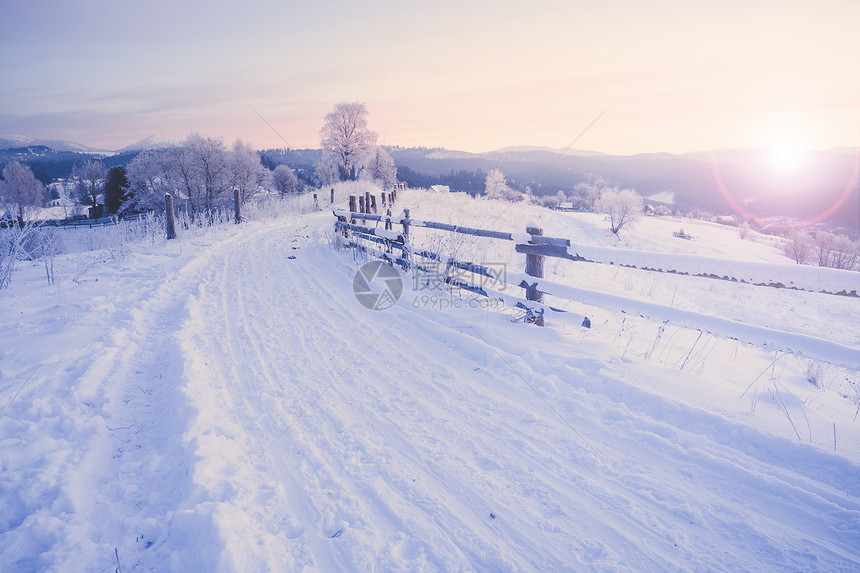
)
(207, 166)
(586, 195)
(346, 136)
(196, 172)
(149, 177)
(246, 171)
(798, 247)
(89, 183)
(326, 169)
(623, 207)
(116, 188)
(834, 251)
(495, 185)
(21, 189)
(284, 180)
(381, 169)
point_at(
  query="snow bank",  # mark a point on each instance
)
(815, 279)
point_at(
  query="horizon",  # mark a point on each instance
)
(560, 151)
(474, 77)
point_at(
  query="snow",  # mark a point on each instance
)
(755, 272)
(666, 197)
(213, 404)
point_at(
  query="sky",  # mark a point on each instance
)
(659, 76)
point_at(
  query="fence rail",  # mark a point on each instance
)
(384, 241)
(85, 222)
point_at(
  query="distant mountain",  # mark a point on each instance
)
(13, 141)
(528, 149)
(151, 142)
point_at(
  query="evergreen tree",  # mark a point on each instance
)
(116, 189)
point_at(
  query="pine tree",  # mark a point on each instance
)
(116, 189)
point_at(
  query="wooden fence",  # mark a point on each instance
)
(394, 246)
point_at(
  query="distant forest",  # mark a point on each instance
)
(48, 165)
(472, 182)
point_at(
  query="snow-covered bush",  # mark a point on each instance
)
(12, 249)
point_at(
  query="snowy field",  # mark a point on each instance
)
(223, 403)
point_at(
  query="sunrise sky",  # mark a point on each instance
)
(672, 76)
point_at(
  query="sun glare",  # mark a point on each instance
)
(785, 158)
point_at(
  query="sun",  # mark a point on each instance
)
(785, 157)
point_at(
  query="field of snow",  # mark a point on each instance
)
(222, 402)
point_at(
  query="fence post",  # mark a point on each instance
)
(352, 208)
(534, 268)
(332, 195)
(407, 250)
(171, 221)
(373, 204)
(316, 203)
(361, 204)
(236, 206)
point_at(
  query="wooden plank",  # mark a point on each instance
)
(550, 251)
(463, 230)
(365, 230)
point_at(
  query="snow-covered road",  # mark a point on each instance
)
(244, 413)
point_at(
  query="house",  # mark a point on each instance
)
(565, 206)
(440, 189)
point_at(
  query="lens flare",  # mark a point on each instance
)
(785, 158)
(817, 218)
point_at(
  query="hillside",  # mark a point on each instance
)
(222, 402)
(721, 182)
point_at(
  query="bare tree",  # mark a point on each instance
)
(835, 251)
(247, 172)
(21, 189)
(798, 247)
(284, 180)
(345, 134)
(623, 207)
(89, 182)
(381, 169)
(846, 255)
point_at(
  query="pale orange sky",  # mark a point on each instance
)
(672, 76)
